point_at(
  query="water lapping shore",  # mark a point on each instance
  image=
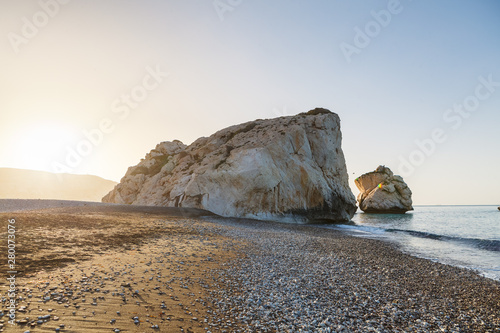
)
(178, 270)
(303, 278)
(464, 236)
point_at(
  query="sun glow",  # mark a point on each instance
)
(38, 145)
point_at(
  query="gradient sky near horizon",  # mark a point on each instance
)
(418, 91)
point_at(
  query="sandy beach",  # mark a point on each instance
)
(112, 268)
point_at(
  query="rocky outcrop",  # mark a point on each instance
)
(383, 192)
(287, 168)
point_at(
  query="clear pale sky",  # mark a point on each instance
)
(396, 72)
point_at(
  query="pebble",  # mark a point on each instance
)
(286, 279)
(306, 281)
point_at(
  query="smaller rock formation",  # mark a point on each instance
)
(383, 192)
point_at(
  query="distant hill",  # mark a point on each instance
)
(30, 184)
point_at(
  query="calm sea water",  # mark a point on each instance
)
(465, 236)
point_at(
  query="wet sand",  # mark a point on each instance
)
(110, 268)
(95, 268)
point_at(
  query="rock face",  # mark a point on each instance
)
(287, 168)
(383, 192)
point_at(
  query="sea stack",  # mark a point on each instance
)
(285, 169)
(383, 192)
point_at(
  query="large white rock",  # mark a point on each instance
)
(287, 168)
(383, 192)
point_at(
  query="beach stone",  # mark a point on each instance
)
(288, 168)
(383, 192)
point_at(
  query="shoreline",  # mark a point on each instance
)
(377, 282)
(461, 236)
(400, 246)
(250, 274)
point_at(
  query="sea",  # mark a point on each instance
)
(463, 236)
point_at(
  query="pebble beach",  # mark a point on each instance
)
(112, 268)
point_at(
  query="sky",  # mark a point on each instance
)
(89, 87)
